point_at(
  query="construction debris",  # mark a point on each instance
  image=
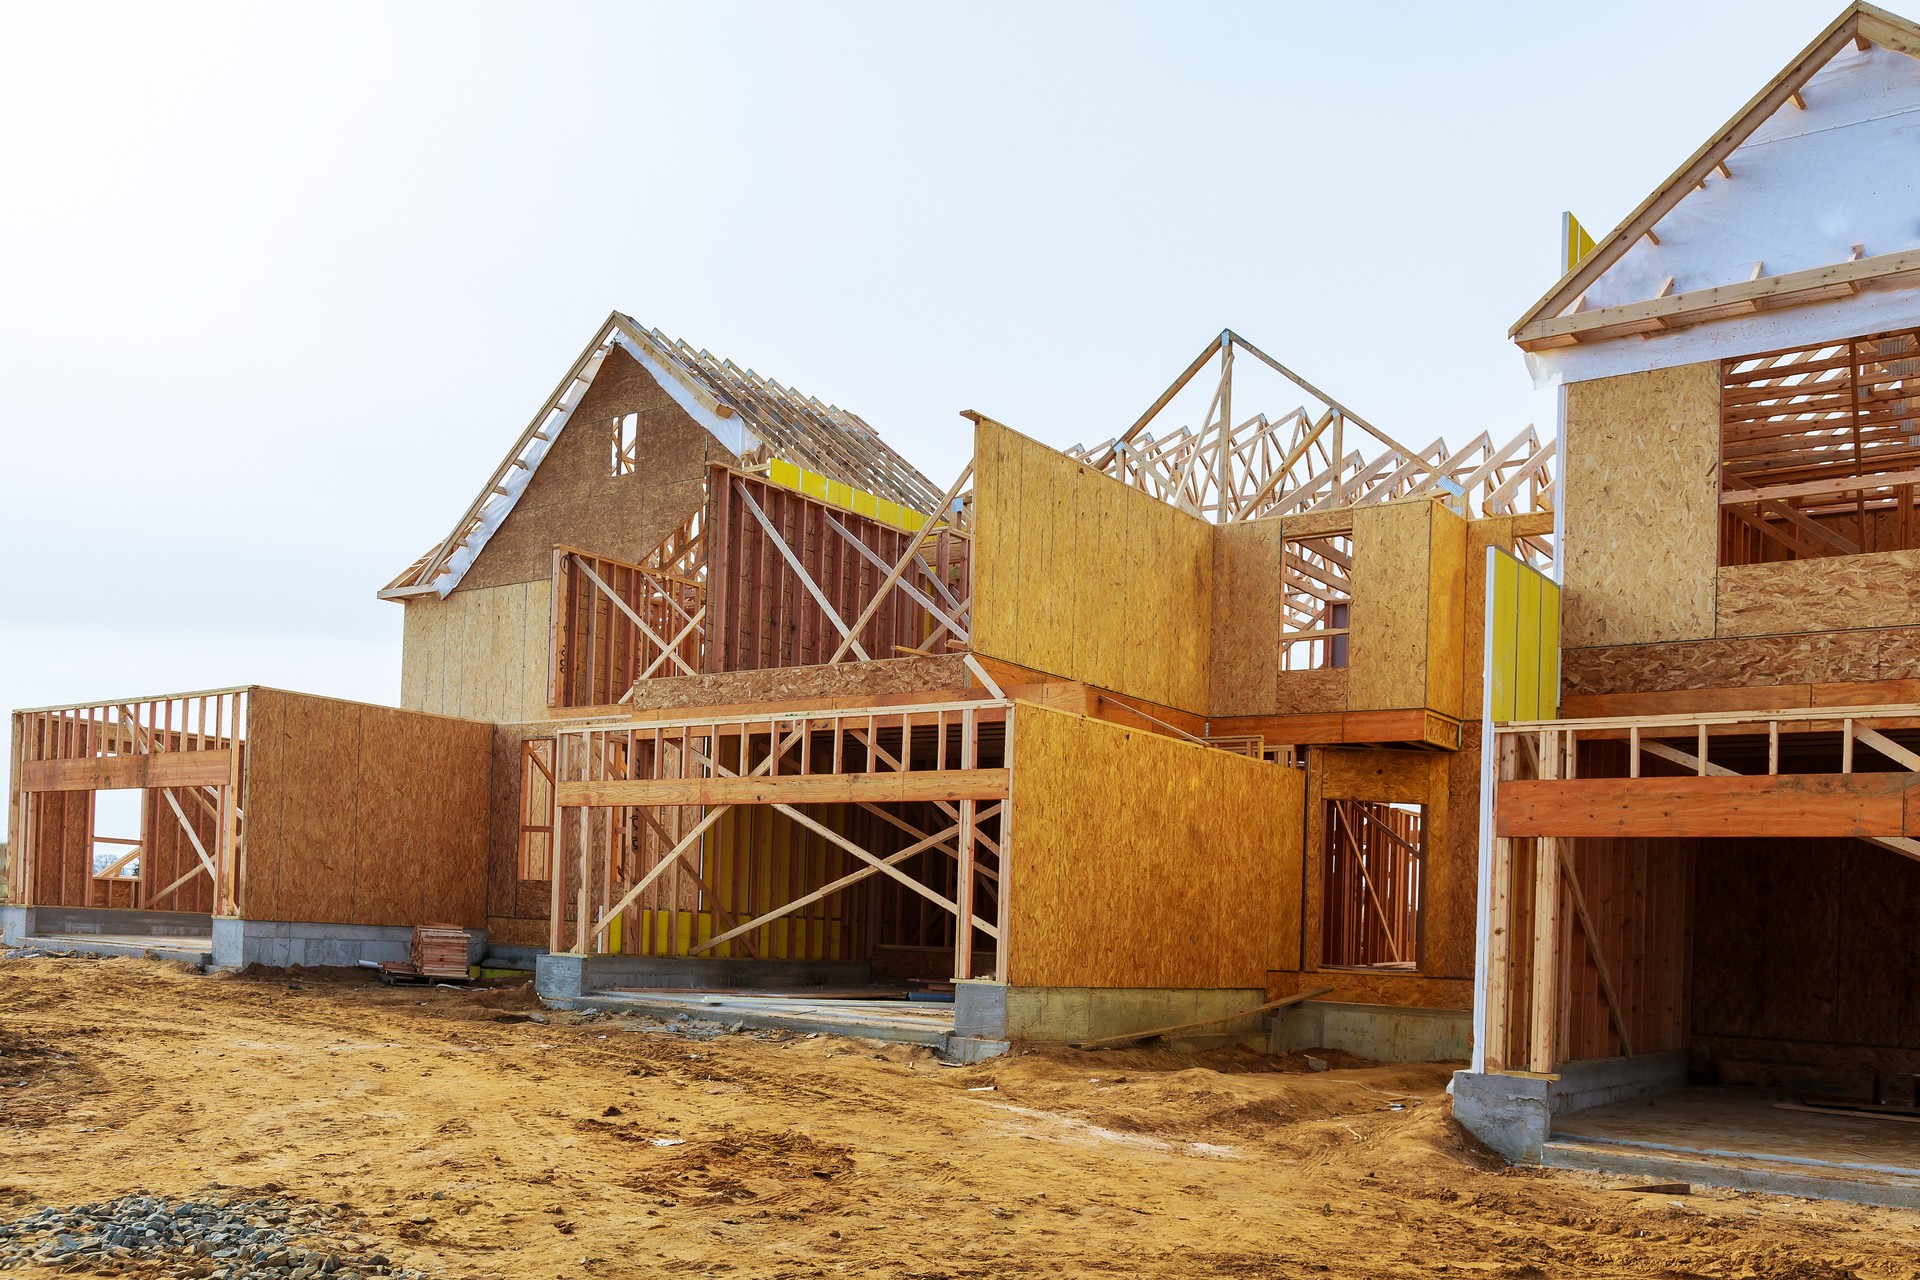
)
(141, 1235)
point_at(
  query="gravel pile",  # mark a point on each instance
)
(155, 1236)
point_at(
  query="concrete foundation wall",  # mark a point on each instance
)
(19, 923)
(1384, 1033)
(1060, 1015)
(280, 944)
(568, 977)
(1514, 1114)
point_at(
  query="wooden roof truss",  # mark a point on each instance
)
(1317, 456)
(1822, 431)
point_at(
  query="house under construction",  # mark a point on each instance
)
(710, 688)
(1701, 877)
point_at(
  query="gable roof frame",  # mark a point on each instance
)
(1858, 22)
(743, 411)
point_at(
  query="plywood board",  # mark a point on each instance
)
(1447, 654)
(1123, 605)
(1837, 593)
(1144, 861)
(1641, 489)
(1245, 642)
(1299, 693)
(574, 500)
(360, 814)
(481, 653)
(1821, 657)
(947, 673)
(1392, 549)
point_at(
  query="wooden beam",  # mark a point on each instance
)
(824, 891)
(114, 773)
(633, 616)
(1593, 947)
(913, 550)
(1771, 97)
(192, 835)
(819, 788)
(1745, 297)
(1856, 804)
(848, 636)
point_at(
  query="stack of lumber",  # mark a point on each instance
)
(439, 951)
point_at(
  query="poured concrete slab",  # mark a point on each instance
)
(188, 948)
(890, 1019)
(1739, 1138)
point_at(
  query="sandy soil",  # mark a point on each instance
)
(475, 1142)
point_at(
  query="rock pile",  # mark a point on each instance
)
(262, 1239)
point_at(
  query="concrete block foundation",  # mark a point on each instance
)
(1063, 1015)
(1514, 1114)
(281, 944)
(1385, 1033)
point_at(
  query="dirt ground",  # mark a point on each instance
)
(470, 1140)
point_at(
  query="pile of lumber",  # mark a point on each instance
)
(438, 953)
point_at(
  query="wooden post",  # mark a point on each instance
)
(1545, 1002)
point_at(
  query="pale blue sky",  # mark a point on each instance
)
(280, 283)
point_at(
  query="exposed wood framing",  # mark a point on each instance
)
(172, 745)
(1317, 456)
(772, 421)
(1819, 451)
(728, 830)
(1663, 781)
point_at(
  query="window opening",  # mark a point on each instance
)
(1316, 601)
(116, 833)
(626, 431)
(1372, 864)
(1820, 450)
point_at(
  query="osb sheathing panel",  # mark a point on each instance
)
(1082, 576)
(1832, 594)
(482, 654)
(887, 675)
(1824, 657)
(1447, 657)
(1311, 692)
(1389, 620)
(62, 851)
(504, 886)
(572, 500)
(1641, 490)
(1138, 860)
(1245, 651)
(363, 815)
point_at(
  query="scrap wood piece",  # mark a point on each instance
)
(1859, 1111)
(1299, 997)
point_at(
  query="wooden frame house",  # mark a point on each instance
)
(1701, 866)
(742, 699)
(788, 738)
